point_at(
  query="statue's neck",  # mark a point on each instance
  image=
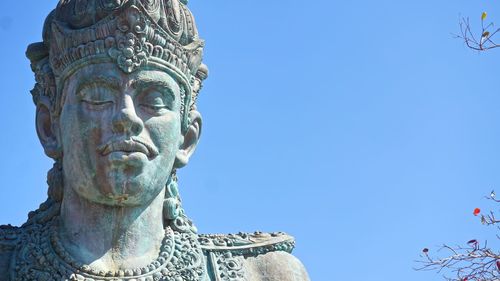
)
(111, 237)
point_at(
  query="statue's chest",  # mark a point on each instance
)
(40, 257)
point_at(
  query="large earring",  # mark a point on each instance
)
(171, 204)
(173, 213)
(55, 182)
(51, 207)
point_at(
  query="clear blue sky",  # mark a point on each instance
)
(363, 128)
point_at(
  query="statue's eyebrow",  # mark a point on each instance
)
(108, 81)
(145, 83)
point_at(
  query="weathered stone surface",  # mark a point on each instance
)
(116, 89)
(275, 266)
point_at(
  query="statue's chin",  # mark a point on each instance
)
(120, 190)
(120, 179)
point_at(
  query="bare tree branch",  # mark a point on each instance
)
(474, 262)
(485, 36)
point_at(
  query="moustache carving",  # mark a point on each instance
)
(131, 145)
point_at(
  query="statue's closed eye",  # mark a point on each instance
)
(95, 95)
(155, 101)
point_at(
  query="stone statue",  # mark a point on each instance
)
(116, 89)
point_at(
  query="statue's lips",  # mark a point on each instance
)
(128, 146)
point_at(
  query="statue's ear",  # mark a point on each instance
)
(190, 140)
(45, 129)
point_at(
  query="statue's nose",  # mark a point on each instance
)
(126, 120)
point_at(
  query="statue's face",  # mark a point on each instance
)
(119, 133)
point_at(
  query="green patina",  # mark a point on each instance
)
(116, 88)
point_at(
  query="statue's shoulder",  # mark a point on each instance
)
(13, 239)
(9, 237)
(255, 256)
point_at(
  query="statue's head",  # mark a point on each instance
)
(117, 82)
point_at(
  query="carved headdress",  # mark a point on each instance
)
(160, 34)
(130, 33)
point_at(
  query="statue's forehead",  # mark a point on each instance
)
(110, 72)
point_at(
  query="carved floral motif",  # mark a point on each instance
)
(131, 51)
(228, 267)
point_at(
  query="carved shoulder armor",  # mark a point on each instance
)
(227, 254)
(247, 244)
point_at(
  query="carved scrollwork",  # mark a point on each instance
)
(174, 18)
(151, 6)
(248, 244)
(45, 87)
(131, 50)
(229, 267)
(111, 5)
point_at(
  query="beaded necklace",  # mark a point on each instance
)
(41, 256)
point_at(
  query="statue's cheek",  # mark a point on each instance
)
(165, 132)
(90, 124)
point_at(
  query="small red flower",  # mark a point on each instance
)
(476, 211)
(498, 265)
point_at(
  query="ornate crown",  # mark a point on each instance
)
(130, 33)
